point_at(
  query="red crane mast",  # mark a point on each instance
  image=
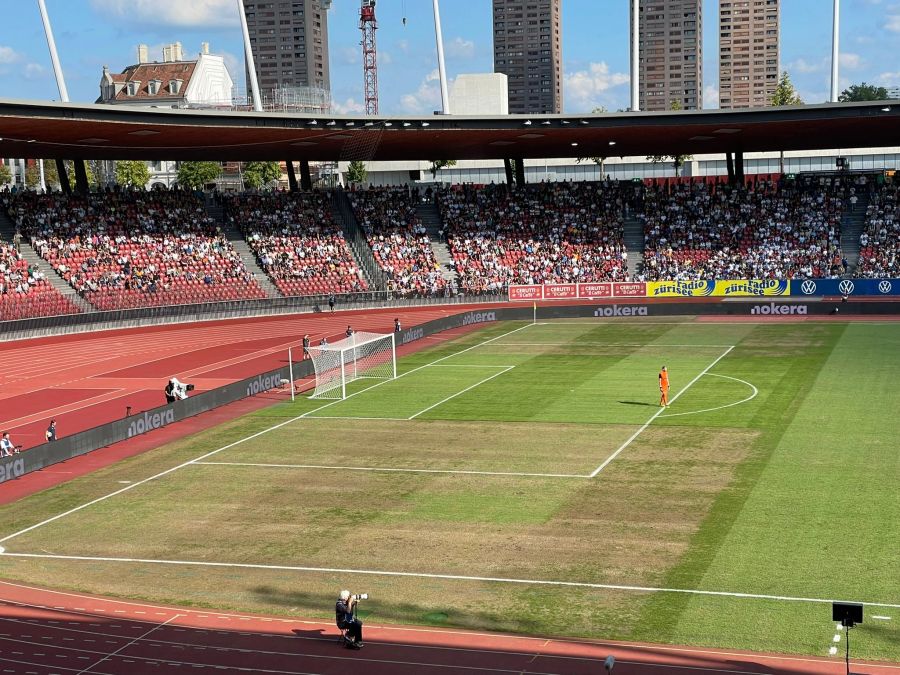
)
(368, 25)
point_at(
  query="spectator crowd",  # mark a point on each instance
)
(544, 233)
(398, 239)
(879, 252)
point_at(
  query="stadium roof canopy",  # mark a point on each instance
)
(76, 131)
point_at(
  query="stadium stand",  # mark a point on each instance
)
(398, 239)
(879, 255)
(545, 233)
(124, 249)
(297, 242)
(760, 230)
(24, 290)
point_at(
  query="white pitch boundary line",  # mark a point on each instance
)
(460, 393)
(131, 486)
(452, 577)
(721, 407)
(605, 344)
(657, 414)
(376, 469)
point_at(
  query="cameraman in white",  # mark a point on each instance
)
(346, 619)
(176, 391)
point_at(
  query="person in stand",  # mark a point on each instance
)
(349, 332)
(346, 621)
(664, 387)
(331, 302)
(50, 434)
(397, 326)
(306, 346)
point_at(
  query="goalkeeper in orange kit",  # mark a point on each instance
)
(664, 387)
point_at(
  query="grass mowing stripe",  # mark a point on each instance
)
(657, 414)
(392, 470)
(659, 616)
(238, 442)
(452, 577)
(460, 393)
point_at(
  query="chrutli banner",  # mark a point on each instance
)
(719, 289)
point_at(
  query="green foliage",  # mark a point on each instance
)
(863, 92)
(32, 176)
(357, 172)
(196, 175)
(438, 164)
(259, 174)
(5, 174)
(132, 174)
(785, 93)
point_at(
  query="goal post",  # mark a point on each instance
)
(360, 356)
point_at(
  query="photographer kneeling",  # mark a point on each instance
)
(346, 620)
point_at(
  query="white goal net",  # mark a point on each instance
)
(362, 355)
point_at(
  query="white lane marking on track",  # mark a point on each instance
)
(454, 577)
(656, 414)
(245, 439)
(721, 407)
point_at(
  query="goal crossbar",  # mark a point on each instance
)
(362, 355)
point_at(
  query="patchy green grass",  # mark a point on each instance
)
(773, 473)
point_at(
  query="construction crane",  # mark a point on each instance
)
(368, 25)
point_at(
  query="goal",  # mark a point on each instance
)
(362, 355)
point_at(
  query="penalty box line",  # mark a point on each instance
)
(646, 424)
(131, 486)
(449, 577)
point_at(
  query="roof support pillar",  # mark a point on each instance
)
(292, 176)
(305, 176)
(729, 164)
(507, 167)
(739, 166)
(520, 172)
(81, 180)
(63, 174)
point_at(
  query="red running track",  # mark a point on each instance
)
(89, 379)
(43, 632)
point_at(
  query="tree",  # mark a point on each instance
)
(785, 94)
(258, 174)
(196, 175)
(32, 176)
(438, 164)
(357, 172)
(863, 92)
(677, 160)
(5, 174)
(134, 174)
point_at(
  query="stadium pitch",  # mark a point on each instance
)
(523, 478)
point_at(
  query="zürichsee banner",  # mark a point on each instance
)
(739, 288)
(876, 287)
(589, 291)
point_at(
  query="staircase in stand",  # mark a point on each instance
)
(217, 213)
(8, 231)
(634, 244)
(431, 218)
(852, 225)
(342, 212)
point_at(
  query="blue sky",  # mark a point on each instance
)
(91, 33)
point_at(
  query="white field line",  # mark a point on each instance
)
(377, 469)
(452, 577)
(604, 344)
(721, 407)
(128, 644)
(468, 365)
(657, 414)
(239, 441)
(460, 393)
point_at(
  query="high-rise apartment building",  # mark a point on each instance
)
(671, 63)
(289, 39)
(749, 51)
(528, 50)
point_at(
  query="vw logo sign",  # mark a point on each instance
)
(846, 287)
(884, 286)
(808, 287)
